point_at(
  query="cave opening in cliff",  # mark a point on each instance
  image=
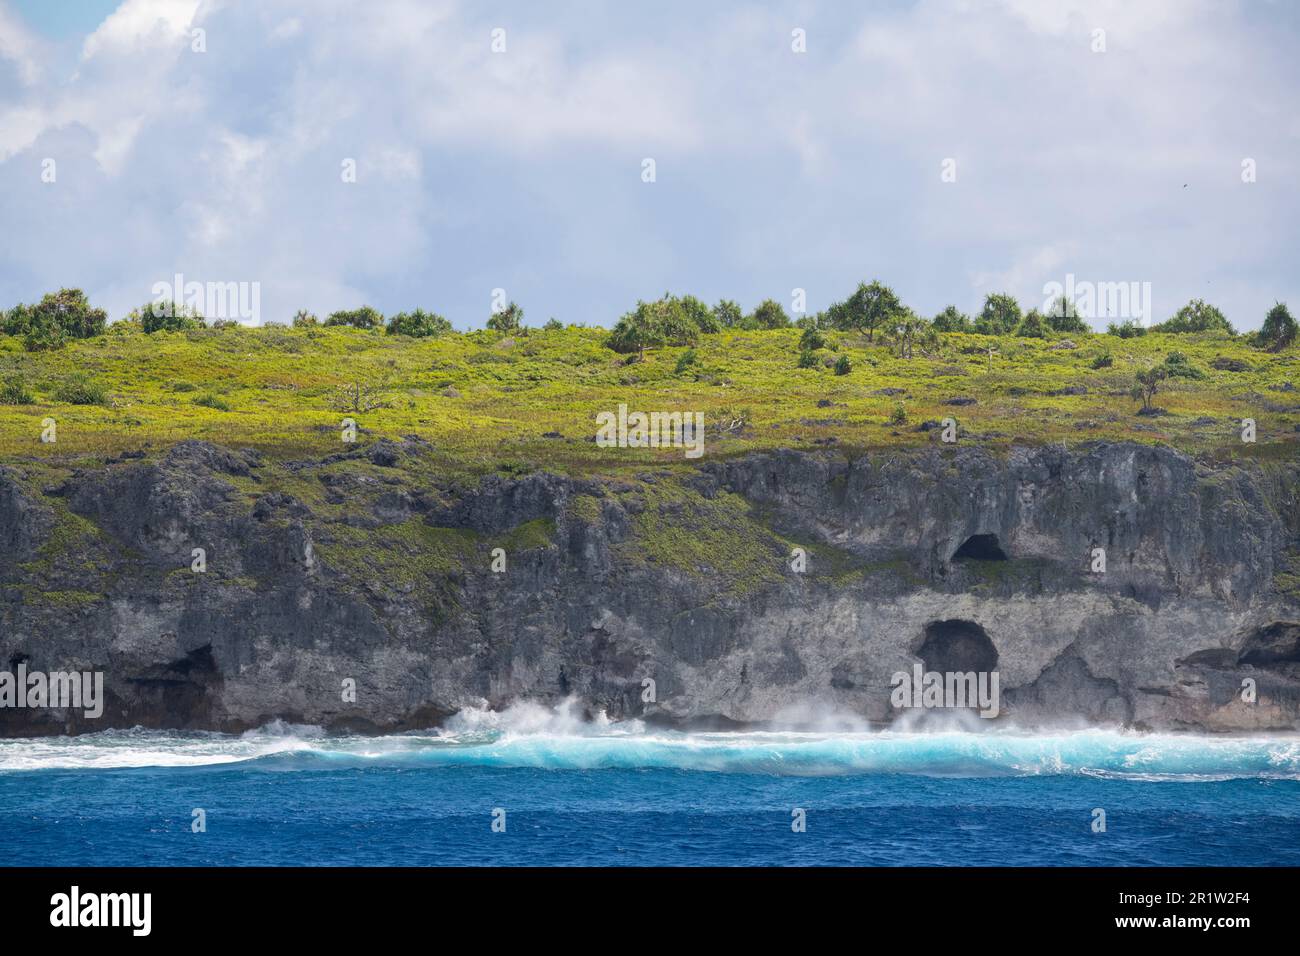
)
(957, 645)
(1274, 645)
(980, 547)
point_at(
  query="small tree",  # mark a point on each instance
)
(952, 319)
(768, 314)
(811, 340)
(1196, 316)
(1279, 329)
(303, 319)
(635, 332)
(870, 307)
(1064, 317)
(362, 318)
(509, 319)
(728, 314)
(418, 324)
(59, 316)
(167, 317)
(1001, 314)
(843, 366)
(909, 330)
(1128, 329)
(1033, 326)
(1146, 385)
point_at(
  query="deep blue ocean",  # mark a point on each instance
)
(622, 795)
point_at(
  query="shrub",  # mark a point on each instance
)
(167, 317)
(1177, 366)
(1064, 317)
(867, 309)
(768, 314)
(418, 324)
(811, 340)
(686, 361)
(1146, 385)
(899, 415)
(662, 322)
(80, 389)
(1128, 329)
(728, 314)
(509, 319)
(1196, 316)
(303, 319)
(807, 359)
(59, 316)
(1279, 329)
(14, 391)
(212, 401)
(1104, 360)
(553, 325)
(226, 323)
(363, 318)
(951, 319)
(843, 366)
(1033, 326)
(1001, 314)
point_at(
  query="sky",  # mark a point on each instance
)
(950, 149)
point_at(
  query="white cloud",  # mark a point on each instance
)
(776, 169)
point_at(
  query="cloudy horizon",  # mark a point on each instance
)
(949, 149)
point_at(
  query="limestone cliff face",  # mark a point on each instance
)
(369, 566)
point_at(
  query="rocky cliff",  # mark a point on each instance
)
(369, 569)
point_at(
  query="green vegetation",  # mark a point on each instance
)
(485, 399)
(1279, 329)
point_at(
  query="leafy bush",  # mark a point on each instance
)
(1196, 316)
(1279, 329)
(1128, 329)
(167, 317)
(14, 391)
(665, 321)
(899, 415)
(1104, 360)
(303, 319)
(807, 359)
(59, 316)
(212, 401)
(1001, 314)
(843, 366)
(686, 361)
(80, 389)
(811, 340)
(1064, 317)
(363, 318)
(1033, 326)
(768, 314)
(728, 314)
(509, 319)
(418, 324)
(1177, 366)
(553, 325)
(951, 319)
(870, 307)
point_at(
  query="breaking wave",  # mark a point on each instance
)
(532, 736)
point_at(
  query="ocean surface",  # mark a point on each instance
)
(602, 794)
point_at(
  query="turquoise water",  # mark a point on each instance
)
(622, 794)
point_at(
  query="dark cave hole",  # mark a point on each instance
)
(1278, 643)
(957, 645)
(980, 547)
